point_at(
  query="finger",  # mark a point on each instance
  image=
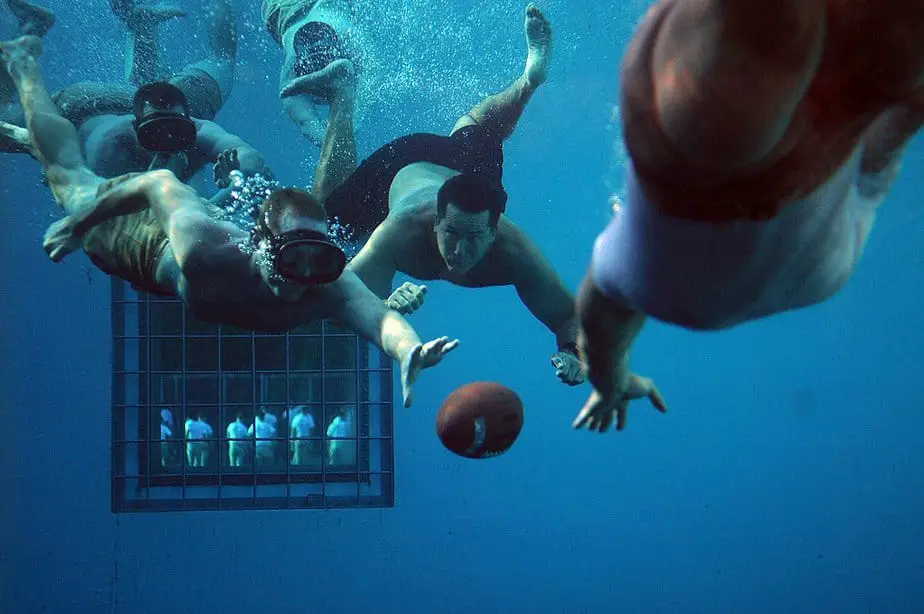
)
(605, 421)
(557, 362)
(450, 346)
(622, 415)
(408, 393)
(435, 345)
(657, 400)
(586, 412)
(422, 289)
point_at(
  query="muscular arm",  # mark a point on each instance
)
(608, 332)
(121, 196)
(375, 262)
(212, 139)
(541, 290)
(356, 306)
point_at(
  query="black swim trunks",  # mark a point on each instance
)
(361, 202)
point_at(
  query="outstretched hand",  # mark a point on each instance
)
(422, 356)
(610, 398)
(61, 239)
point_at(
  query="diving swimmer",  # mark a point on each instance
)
(763, 137)
(434, 206)
(154, 231)
(161, 124)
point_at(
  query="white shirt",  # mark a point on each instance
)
(237, 430)
(197, 429)
(302, 424)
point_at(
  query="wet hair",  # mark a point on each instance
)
(472, 194)
(290, 202)
(160, 95)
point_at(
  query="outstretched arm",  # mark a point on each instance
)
(375, 262)
(544, 294)
(212, 140)
(351, 302)
(608, 331)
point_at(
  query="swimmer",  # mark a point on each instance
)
(154, 231)
(763, 138)
(314, 34)
(436, 206)
(162, 124)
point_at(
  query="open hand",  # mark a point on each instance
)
(610, 398)
(61, 239)
(422, 356)
(408, 298)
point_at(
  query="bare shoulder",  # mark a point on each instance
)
(403, 227)
(511, 243)
(515, 256)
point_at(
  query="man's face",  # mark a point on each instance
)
(463, 238)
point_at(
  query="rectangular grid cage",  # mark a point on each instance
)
(210, 417)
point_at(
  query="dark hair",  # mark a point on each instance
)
(472, 194)
(290, 201)
(160, 95)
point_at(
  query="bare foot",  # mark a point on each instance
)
(33, 20)
(145, 18)
(22, 49)
(539, 44)
(14, 139)
(336, 80)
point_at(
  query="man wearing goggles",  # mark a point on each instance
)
(273, 279)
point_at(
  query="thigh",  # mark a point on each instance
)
(202, 83)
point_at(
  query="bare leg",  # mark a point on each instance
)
(14, 139)
(54, 139)
(142, 51)
(33, 20)
(501, 112)
(222, 36)
(338, 151)
(304, 113)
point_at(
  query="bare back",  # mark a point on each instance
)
(226, 286)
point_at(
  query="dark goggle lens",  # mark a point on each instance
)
(310, 261)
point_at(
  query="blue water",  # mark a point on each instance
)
(786, 478)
